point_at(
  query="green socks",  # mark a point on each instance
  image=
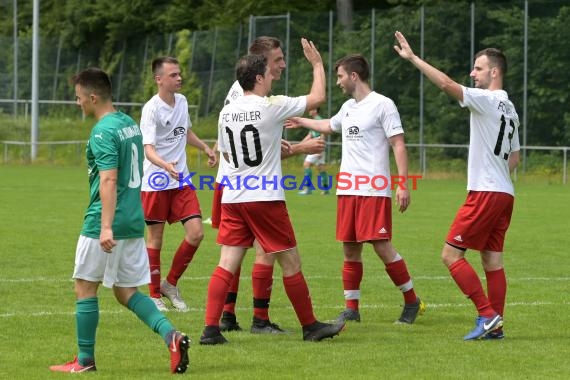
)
(87, 319)
(147, 312)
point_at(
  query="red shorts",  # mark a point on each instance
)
(171, 205)
(360, 218)
(482, 221)
(266, 222)
(217, 205)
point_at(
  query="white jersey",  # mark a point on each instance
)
(235, 92)
(166, 128)
(494, 135)
(249, 131)
(366, 127)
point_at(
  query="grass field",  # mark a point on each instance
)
(41, 208)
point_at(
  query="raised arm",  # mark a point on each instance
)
(437, 77)
(318, 89)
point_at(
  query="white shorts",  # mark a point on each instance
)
(126, 266)
(315, 159)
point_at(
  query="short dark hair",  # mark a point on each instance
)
(263, 45)
(158, 62)
(95, 81)
(248, 68)
(496, 58)
(355, 63)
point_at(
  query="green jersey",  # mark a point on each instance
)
(116, 143)
(315, 134)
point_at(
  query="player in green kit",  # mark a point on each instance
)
(315, 159)
(111, 248)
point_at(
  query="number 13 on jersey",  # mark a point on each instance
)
(501, 136)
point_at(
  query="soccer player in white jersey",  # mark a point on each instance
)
(262, 271)
(482, 221)
(167, 194)
(370, 124)
(249, 135)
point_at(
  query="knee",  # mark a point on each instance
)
(264, 259)
(491, 261)
(446, 260)
(195, 238)
(450, 255)
(154, 242)
(385, 251)
(351, 256)
(291, 268)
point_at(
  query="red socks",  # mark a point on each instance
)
(497, 289)
(231, 298)
(217, 291)
(466, 278)
(262, 282)
(352, 272)
(182, 258)
(154, 263)
(298, 293)
(398, 272)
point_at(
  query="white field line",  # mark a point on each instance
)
(364, 306)
(332, 307)
(193, 278)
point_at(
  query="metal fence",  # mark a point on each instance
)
(448, 40)
(74, 152)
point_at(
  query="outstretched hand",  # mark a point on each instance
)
(293, 122)
(312, 146)
(286, 148)
(311, 52)
(404, 50)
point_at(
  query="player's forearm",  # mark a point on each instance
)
(401, 158)
(439, 78)
(317, 125)
(514, 159)
(108, 195)
(152, 156)
(194, 141)
(317, 95)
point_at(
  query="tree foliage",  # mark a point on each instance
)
(208, 36)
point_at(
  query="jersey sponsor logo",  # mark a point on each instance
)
(353, 134)
(178, 131)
